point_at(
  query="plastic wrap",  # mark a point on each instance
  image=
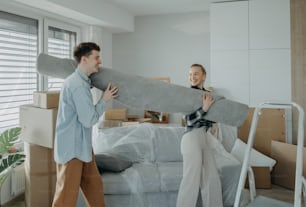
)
(227, 136)
(256, 159)
(154, 178)
(134, 143)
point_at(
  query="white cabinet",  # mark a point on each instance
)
(269, 24)
(230, 74)
(270, 77)
(229, 25)
(250, 50)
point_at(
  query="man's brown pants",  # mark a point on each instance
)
(73, 176)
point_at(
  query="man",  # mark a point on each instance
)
(199, 167)
(76, 167)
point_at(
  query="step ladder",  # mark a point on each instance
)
(300, 183)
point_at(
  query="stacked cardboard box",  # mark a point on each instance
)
(40, 174)
(115, 117)
(271, 126)
(283, 173)
(262, 177)
(38, 123)
(270, 139)
(46, 99)
(116, 114)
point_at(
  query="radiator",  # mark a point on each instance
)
(13, 186)
(18, 181)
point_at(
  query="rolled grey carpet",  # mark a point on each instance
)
(147, 94)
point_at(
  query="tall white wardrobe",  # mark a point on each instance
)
(250, 50)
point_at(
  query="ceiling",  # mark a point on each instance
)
(116, 15)
(155, 7)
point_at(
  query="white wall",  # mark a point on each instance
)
(103, 38)
(164, 46)
(107, 49)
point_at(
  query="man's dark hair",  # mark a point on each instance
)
(200, 66)
(84, 49)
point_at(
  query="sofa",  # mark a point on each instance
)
(152, 166)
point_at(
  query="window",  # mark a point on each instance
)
(19, 47)
(60, 44)
(18, 77)
(61, 40)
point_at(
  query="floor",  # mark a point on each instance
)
(275, 192)
(278, 192)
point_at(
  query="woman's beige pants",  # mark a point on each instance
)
(199, 172)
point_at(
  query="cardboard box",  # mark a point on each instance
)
(46, 99)
(130, 123)
(39, 159)
(38, 125)
(116, 114)
(262, 178)
(110, 123)
(40, 175)
(271, 125)
(283, 173)
(39, 189)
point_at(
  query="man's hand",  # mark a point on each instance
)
(207, 101)
(110, 93)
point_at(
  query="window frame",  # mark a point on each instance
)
(37, 26)
(43, 19)
(48, 22)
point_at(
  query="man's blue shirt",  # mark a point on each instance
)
(75, 118)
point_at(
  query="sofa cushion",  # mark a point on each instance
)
(167, 143)
(140, 178)
(111, 163)
(229, 175)
(156, 199)
(171, 174)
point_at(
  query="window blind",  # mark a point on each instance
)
(60, 44)
(18, 77)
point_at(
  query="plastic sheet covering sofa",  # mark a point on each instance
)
(154, 178)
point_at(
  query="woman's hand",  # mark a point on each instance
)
(110, 93)
(207, 101)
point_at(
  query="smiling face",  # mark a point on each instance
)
(91, 62)
(197, 77)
